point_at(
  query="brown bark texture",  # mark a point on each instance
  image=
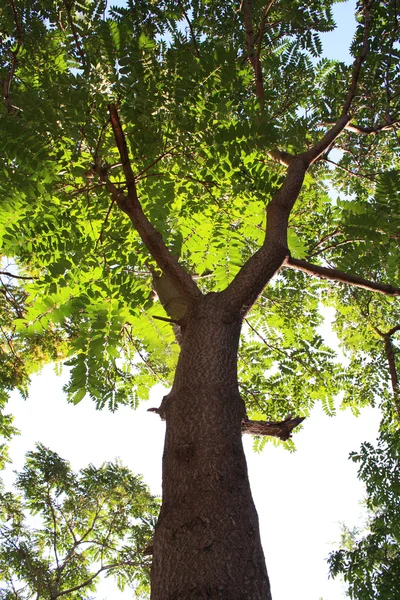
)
(207, 542)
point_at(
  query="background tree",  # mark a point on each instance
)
(66, 528)
(219, 134)
(370, 563)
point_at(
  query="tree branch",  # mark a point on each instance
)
(394, 379)
(392, 365)
(249, 282)
(68, 6)
(150, 236)
(360, 58)
(393, 330)
(254, 57)
(341, 276)
(93, 577)
(330, 136)
(262, 26)
(372, 130)
(346, 170)
(315, 152)
(7, 83)
(280, 429)
(17, 276)
(196, 49)
(387, 125)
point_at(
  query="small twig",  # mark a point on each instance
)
(74, 33)
(154, 162)
(360, 58)
(100, 239)
(96, 150)
(333, 246)
(352, 173)
(262, 26)
(196, 49)
(254, 57)
(166, 319)
(146, 362)
(325, 237)
(10, 345)
(7, 84)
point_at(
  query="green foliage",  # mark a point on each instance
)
(199, 148)
(370, 563)
(64, 529)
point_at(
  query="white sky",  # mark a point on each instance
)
(301, 498)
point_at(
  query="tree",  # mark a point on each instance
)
(166, 185)
(370, 563)
(68, 528)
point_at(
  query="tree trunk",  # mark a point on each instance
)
(207, 543)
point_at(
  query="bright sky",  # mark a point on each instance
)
(301, 498)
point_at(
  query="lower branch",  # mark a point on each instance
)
(280, 429)
(341, 276)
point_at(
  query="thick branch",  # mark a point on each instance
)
(330, 136)
(393, 330)
(151, 237)
(341, 276)
(389, 351)
(250, 281)
(281, 156)
(280, 429)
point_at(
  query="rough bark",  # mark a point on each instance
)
(207, 542)
(280, 429)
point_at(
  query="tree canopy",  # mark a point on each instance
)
(64, 529)
(162, 152)
(370, 560)
(205, 167)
